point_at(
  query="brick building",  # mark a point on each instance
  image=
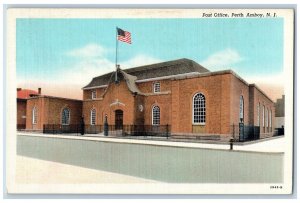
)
(22, 96)
(35, 110)
(179, 93)
(42, 110)
(279, 112)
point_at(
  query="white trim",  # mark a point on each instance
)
(201, 123)
(91, 116)
(270, 120)
(117, 102)
(258, 114)
(168, 77)
(241, 109)
(34, 120)
(94, 94)
(158, 93)
(95, 87)
(263, 116)
(152, 115)
(267, 117)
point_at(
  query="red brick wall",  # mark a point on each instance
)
(104, 107)
(21, 112)
(40, 108)
(49, 111)
(239, 88)
(216, 90)
(222, 93)
(259, 98)
(87, 94)
(56, 106)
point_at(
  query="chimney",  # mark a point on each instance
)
(39, 90)
(19, 89)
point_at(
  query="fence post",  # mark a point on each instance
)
(167, 131)
(105, 127)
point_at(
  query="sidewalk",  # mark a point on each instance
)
(269, 145)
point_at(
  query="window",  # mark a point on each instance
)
(34, 115)
(258, 116)
(94, 94)
(263, 116)
(199, 109)
(270, 119)
(267, 116)
(241, 109)
(156, 87)
(93, 117)
(65, 117)
(155, 115)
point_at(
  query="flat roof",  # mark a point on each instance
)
(53, 97)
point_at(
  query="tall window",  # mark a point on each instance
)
(93, 117)
(263, 116)
(267, 116)
(65, 117)
(155, 115)
(241, 109)
(34, 115)
(258, 116)
(199, 109)
(156, 87)
(270, 119)
(94, 94)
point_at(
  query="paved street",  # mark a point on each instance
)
(36, 171)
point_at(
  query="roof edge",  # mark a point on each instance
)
(53, 97)
(261, 91)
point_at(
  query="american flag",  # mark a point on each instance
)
(124, 36)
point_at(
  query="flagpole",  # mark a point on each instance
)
(116, 75)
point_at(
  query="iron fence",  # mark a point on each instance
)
(278, 131)
(21, 126)
(113, 130)
(243, 133)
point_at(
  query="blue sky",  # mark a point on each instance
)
(52, 49)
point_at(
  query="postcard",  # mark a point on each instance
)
(149, 101)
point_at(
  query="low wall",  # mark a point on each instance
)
(161, 163)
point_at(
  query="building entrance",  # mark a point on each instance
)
(119, 119)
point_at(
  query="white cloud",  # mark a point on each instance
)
(88, 51)
(92, 62)
(139, 60)
(222, 59)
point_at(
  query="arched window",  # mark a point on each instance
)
(263, 116)
(93, 117)
(65, 116)
(34, 115)
(241, 109)
(199, 114)
(155, 115)
(258, 116)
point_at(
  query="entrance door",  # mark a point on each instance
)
(119, 119)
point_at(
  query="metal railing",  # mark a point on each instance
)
(278, 131)
(21, 126)
(242, 133)
(113, 130)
